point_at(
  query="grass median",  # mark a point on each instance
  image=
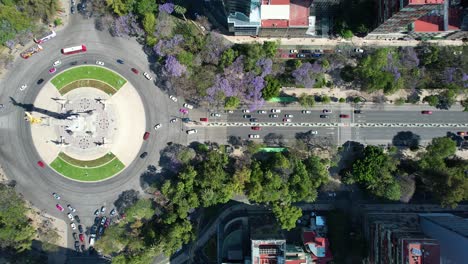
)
(80, 173)
(86, 73)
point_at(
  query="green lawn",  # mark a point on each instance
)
(88, 72)
(87, 174)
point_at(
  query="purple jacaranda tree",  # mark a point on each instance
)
(165, 47)
(254, 93)
(167, 7)
(125, 26)
(10, 44)
(409, 58)
(465, 80)
(173, 67)
(306, 73)
(265, 65)
(216, 45)
(448, 74)
(230, 83)
(391, 67)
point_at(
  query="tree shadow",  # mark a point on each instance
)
(347, 154)
(406, 139)
(458, 139)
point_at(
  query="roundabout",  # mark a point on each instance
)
(87, 122)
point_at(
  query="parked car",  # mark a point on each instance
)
(59, 207)
(70, 216)
(103, 220)
(77, 219)
(189, 106)
(77, 246)
(173, 98)
(301, 55)
(96, 212)
(82, 238)
(71, 208)
(107, 223)
(192, 131)
(358, 50)
(73, 226)
(293, 51)
(112, 212)
(75, 236)
(103, 209)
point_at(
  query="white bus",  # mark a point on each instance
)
(45, 37)
(73, 50)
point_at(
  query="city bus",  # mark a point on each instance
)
(73, 50)
(45, 37)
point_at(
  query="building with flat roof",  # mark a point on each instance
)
(397, 238)
(275, 18)
(452, 233)
(272, 251)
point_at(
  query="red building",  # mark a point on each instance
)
(319, 247)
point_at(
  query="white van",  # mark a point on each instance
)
(192, 131)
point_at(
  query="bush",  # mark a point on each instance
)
(347, 73)
(342, 100)
(400, 101)
(58, 22)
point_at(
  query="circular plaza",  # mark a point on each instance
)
(87, 123)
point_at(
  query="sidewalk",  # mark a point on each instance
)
(355, 41)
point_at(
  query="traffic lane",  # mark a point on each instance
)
(288, 133)
(384, 135)
(371, 116)
(297, 117)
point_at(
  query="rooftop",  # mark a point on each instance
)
(421, 251)
(425, 2)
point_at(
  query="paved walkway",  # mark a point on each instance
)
(355, 41)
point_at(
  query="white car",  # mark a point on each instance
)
(293, 51)
(157, 126)
(313, 132)
(261, 112)
(288, 115)
(173, 120)
(23, 87)
(57, 63)
(188, 106)
(230, 111)
(173, 98)
(306, 111)
(73, 226)
(215, 115)
(71, 208)
(103, 209)
(246, 111)
(100, 63)
(273, 116)
(254, 136)
(70, 216)
(276, 110)
(286, 120)
(192, 131)
(358, 50)
(147, 76)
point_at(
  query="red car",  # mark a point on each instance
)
(135, 71)
(256, 128)
(82, 238)
(107, 223)
(292, 56)
(426, 112)
(204, 119)
(40, 164)
(146, 135)
(344, 116)
(59, 207)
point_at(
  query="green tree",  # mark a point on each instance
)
(439, 149)
(227, 58)
(432, 100)
(143, 7)
(325, 99)
(149, 23)
(120, 7)
(185, 57)
(464, 103)
(342, 100)
(287, 215)
(346, 34)
(325, 64)
(180, 10)
(272, 88)
(231, 102)
(306, 100)
(270, 48)
(142, 209)
(171, 237)
(16, 231)
(12, 22)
